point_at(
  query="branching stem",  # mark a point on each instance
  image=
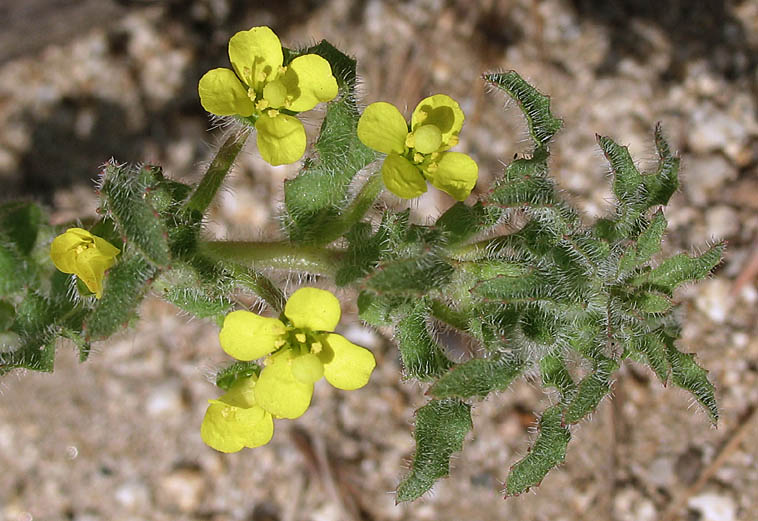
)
(277, 255)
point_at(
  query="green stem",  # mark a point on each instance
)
(363, 200)
(477, 250)
(277, 255)
(214, 176)
(448, 315)
(261, 286)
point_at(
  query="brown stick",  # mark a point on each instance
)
(731, 446)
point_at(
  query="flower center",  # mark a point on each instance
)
(427, 139)
(84, 245)
(275, 93)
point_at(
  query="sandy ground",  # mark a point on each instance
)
(117, 438)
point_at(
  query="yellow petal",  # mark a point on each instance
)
(218, 429)
(228, 429)
(443, 112)
(346, 365)
(247, 336)
(105, 248)
(309, 81)
(455, 174)
(256, 56)
(402, 178)
(241, 394)
(63, 249)
(279, 392)
(90, 268)
(222, 93)
(307, 368)
(281, 139)
(314, 309)
(383, 128)
(259, 433)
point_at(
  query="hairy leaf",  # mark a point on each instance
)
(441, 426)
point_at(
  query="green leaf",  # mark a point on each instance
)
(461, 222)
(548, 451)
(20, 222)
(123, 195)
(379, 310)
(422, 356)
(652, 347)
(184, 287)
(555, 374)
(535, 106)
(648, 244)
(525, 183)
(411, 274)
(316, 199)
(627, 180)
(441, 426)
(363, 253)
(679, 269)
(226, 377)
(125, 286)
(478, 377)
(592, 389)
(686, 374)
(664, 182)
(11, 280)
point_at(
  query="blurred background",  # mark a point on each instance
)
(118, 438)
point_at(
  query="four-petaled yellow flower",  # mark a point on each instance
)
(299, 351)
(235, 421)
(261, 88)
(87, 256)
(419, 154)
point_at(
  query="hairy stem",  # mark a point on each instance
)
(219, 167)
(363, 200)
(276, 255)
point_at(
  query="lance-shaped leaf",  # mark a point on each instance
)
(627, 180)
(380, 310)
(441, 426)
(592, 389)
(478, 377)
(411, 274)
(125, 286)
(422, 356)
(123, 195)
(664, 182)
(652, 347)
(689, 376)
(679, 269)
(548, 451)
(555, 374)
(525, 183)
(647, 245)
(461, 222)
(535, 106)
(315, 199)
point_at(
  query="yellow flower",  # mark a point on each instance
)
(235, 421)
(301, 349)
(88, 256)
(261, 88)
(420, 154)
